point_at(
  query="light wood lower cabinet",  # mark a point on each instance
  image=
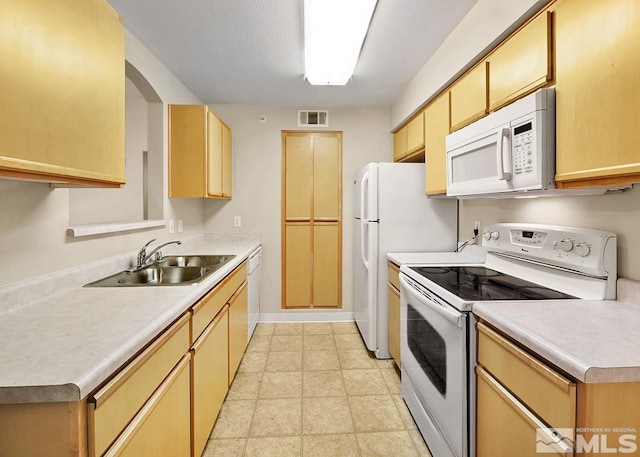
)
(111, 408)
(520, 398)
(394, 312)
(162, 427)
(238, 323)
(209, 377)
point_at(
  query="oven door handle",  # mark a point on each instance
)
(449, 314)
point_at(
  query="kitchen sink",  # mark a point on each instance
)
(169, 271)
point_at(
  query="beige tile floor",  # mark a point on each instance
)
(313, 390)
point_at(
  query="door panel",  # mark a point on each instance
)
(214, 156)
(436, 129)
(326, 265)
(298, 266)
(226, 161)
(298, 186)
(326, 176)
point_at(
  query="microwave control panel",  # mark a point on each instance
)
(523, 148)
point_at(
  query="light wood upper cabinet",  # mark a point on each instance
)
(436, 128)
(408, 142)
(62, 73)
(400, 144)
(199, 153)
(469, 97)
(227, 162)
(522, 63)
(214, 154)
(597, 95)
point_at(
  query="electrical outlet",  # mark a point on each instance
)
(476, 227)
(237, 221)
(180, 226)
(172, 227)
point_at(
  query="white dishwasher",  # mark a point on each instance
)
(253, 284)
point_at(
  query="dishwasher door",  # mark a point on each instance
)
(253, 284)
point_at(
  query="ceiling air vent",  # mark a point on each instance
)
(307, 118)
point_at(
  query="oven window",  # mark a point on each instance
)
(428, 347)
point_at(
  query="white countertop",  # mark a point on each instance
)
(64, 345)
(593, 341)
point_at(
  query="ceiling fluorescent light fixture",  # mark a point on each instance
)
(334, 31)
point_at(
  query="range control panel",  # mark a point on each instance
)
(586, 250)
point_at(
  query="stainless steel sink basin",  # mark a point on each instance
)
(170, 271)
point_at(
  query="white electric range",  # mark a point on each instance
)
(524, 262)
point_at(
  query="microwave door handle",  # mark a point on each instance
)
(503, 175)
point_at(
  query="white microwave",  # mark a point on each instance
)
(510, 150)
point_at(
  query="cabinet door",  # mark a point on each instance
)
(214, 155)
(297, 281)
(238, 323)
(187, 149)
(326, 178)
(436, 128)
(597, 92)
(469, 97)
(227, 162)
(400, 144)
(210, 378)
(63, 103)
(522, 63)
(298, 186)
(327, 291)
(415, 134)
(394, 323)
(506, 427)
(162, 428)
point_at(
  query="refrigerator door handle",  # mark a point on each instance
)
(363, 195)
(364, 229)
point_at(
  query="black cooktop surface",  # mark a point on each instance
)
(481, 284)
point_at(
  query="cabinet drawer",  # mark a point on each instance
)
(113, 406)
(507, 427)
(394, 273)
(206, 309)
(162, 427)
(542, 389)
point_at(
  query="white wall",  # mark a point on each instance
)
(257, 162)
(618, 213)
(34, 217)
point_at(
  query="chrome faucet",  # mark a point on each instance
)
(143, 257)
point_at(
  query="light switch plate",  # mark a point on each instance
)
(237, 221)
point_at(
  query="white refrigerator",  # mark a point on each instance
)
(392, 214)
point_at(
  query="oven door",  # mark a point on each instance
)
(433, 347)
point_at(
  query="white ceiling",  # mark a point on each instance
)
(252, 51)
